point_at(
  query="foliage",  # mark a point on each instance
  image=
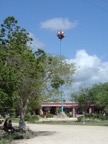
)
(92, 117)
(83, 98)
(79, 118)
(21, 69)
(1, 121)
(59, 77)
(8, 86)
(96, 95)
(49, 115)
(5, 141)
(102, 95)
(69, 115)
(27, 78)
(43, 115)
(96, 116)
(31, 118)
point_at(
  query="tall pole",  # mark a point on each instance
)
(60, 35)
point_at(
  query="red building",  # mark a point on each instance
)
(53, 107)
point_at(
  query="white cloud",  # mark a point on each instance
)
(58, 23)
(36, 43)
(90, 69)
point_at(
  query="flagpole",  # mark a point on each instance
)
(60, 36)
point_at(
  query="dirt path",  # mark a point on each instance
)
(67, 134)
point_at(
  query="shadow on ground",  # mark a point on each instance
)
(44, 133)
(24, 135)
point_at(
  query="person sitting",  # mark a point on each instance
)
(9, 126)
(5, 125)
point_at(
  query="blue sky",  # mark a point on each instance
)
(84, 22)
(90, 33)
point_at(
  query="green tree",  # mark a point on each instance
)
(100, 93)
(85, 97)
(8, 82)
(60, 75)
(97, 95)
(30, 76)
(19, 58)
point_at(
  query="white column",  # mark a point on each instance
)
(74, 111)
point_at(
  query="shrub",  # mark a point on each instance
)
(43, 115)
(34, 118)
(1, 121)
(49, 115)
(69, 115)
(3, 114)
(31, 118)
(89, 115)
(95, 116)
(27, 117)
(80, 118)
(5, 141)
(100, 116)
(58, 110)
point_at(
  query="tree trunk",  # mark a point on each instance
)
(23, 110)
(22, 124)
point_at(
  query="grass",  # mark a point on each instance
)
(15, 120)
(87, 123)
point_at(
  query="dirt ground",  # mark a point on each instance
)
(67, 134)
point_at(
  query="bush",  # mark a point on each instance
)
(1, 121)
(69, 115)
(80, 118)
(34, 118)
(31, 118)
(3, 114)
(27, 117)
(95, 116)
(100, 116)
(5, 141)
(43, 115)
(89, 116)
(49, 115)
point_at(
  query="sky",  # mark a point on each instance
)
(85, 26)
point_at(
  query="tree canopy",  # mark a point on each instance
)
(96, 95)
(27, 77)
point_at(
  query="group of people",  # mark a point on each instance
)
(8, 125)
